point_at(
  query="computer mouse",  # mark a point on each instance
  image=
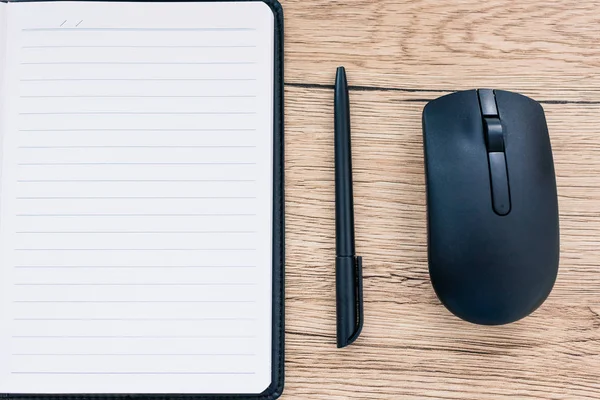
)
(492, 205)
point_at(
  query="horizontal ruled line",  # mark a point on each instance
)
(140, 47)
(137, 79)
(135, 232)
(141, 29)
(140, 198)
(136, 354)
(129, 373)
(143, 147)
(138, 130)
(137, 301)
(132, 337)
(134, 319)
(134, 180)
(148, 249)
(136, 215)
(129, 266)
(136, 284)
(138, 63)
(142, 113)
(138, 163)
(137, 97)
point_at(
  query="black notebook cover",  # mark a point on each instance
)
(277, 367)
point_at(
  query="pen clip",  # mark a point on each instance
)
(359, 301)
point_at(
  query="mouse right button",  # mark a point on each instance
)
(499, 180)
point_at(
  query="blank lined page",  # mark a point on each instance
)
(136, 198)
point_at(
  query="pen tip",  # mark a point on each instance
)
(340, 77)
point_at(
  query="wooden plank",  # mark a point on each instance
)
(548, 50)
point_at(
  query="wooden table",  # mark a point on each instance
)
(399, 54)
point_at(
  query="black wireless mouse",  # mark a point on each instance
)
(492, 205)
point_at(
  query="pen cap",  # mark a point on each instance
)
(349, 299)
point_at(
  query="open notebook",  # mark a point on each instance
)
(141, 216)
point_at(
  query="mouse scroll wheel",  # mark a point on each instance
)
(494, 135)
(494, 139)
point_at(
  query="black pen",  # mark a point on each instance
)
(348, 267)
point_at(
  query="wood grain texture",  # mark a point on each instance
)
(399, 55)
